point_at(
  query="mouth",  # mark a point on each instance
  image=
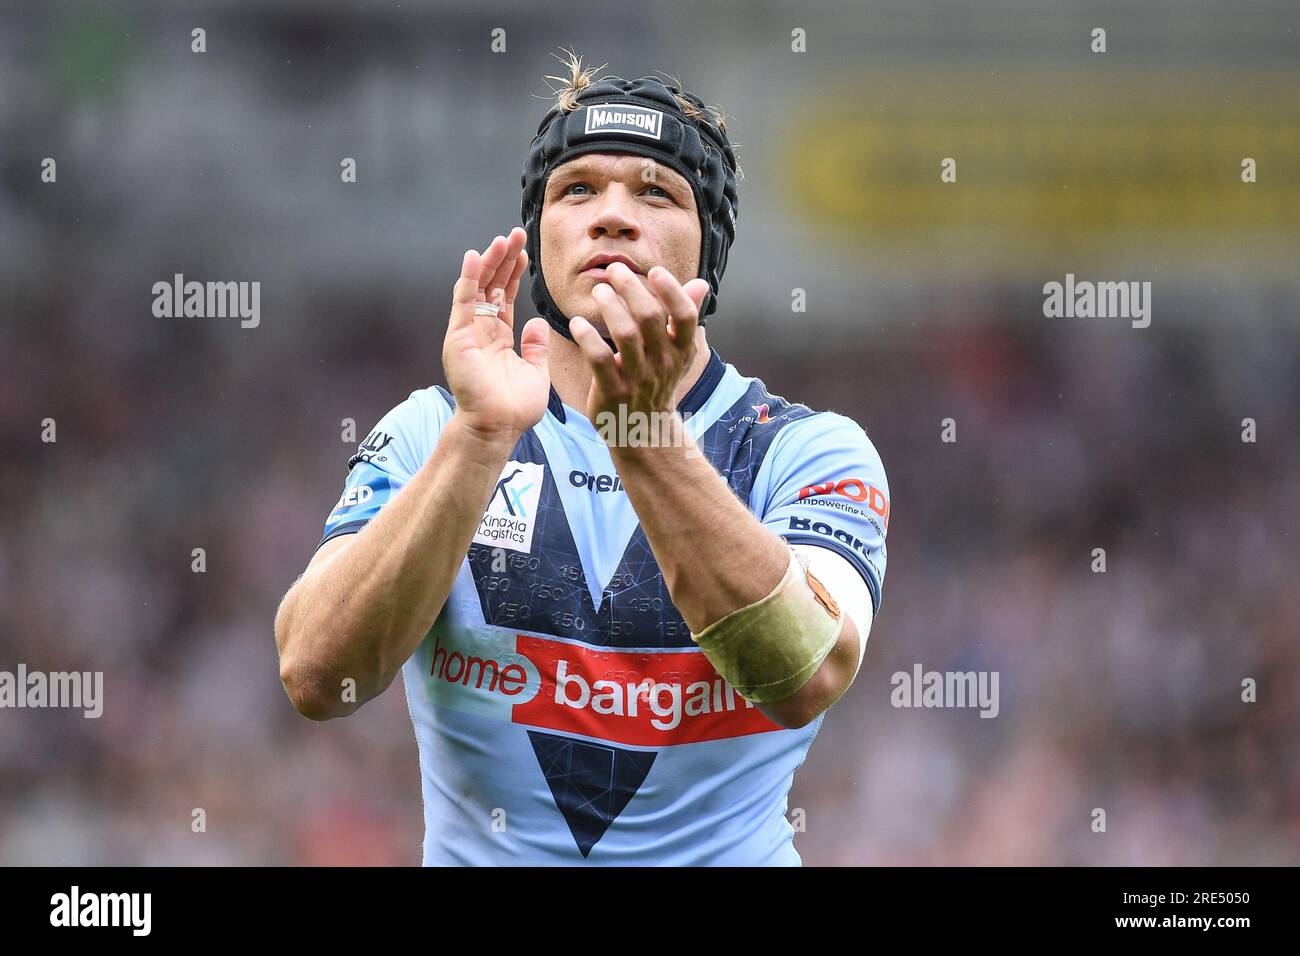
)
(596, 266)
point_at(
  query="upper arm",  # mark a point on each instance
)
(840, 666)
(326, 552)
(846, 585)
(823, 485)
(385, 461)
(823, 489)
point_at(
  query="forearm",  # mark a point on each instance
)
(716, 557)
(718, 561)
(364, 611)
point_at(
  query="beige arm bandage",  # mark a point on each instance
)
(770, 649)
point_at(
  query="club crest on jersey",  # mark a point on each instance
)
(624, 118)
(512, 510)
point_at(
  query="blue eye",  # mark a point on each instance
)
(572, 186)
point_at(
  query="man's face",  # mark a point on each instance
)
(611, 204)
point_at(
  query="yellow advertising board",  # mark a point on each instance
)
(1052, 165)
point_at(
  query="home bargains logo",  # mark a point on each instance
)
(642, 698)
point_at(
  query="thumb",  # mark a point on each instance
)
(535, 342)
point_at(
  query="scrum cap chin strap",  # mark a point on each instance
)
(641, 117)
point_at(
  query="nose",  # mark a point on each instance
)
(613, 215)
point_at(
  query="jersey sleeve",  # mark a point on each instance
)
(824, 485)
(387, 459)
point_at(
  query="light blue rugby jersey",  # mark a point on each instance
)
(562, 711)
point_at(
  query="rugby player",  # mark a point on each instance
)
(617, 643)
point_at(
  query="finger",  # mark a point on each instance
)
(495, 286)
(600, 358)
(512, 289)
(535, 343)
(492, 256)
(643, 303)
(697, 289)
(464, 294)
(622, 328)
(683, 302)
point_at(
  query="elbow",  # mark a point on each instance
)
(324, 668)
(308, 687)
(813, 699)
(799, 719)
(303, 689)
(312, 693)
(311, 690)
(322, 688)
(792, 713)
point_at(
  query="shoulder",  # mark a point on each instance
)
(428, 409)
(431, 402)
(803, 432)
(409, 429)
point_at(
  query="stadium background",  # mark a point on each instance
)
(1118, 690)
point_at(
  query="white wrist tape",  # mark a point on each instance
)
(770, 649)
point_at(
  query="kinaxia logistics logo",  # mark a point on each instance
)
(645, 698)
(512, 510)
(854, 489)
